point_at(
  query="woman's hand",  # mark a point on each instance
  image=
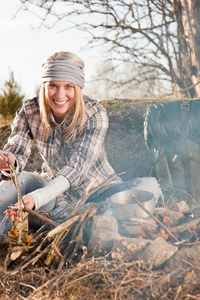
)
(29, 202)
(4, 165)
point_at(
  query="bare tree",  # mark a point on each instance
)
(144, 34)
(188, 22)
(109, 82)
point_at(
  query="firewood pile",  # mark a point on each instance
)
(47, 243)
(91, 256)
(114, 275)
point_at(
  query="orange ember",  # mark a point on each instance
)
(165, 236)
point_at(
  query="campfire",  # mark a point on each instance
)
(139, 256)
(176, 224)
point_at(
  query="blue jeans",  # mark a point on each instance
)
(29, 182)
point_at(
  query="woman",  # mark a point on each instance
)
(69, 130)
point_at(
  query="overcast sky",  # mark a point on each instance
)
(23, 48)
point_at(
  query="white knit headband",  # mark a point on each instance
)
(63, 70)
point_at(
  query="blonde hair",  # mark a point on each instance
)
(76, 114)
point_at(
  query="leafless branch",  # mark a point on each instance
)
(143, 32)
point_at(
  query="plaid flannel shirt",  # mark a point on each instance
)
(79, 161)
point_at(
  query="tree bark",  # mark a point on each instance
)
(188, 22)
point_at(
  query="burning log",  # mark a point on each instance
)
(169, 216)
(153, 217)
(185, 226)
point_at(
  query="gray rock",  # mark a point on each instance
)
(104, 238)
(103, 234)
(156, 253)
(102, 242)
(120, 248)
(127, 249)
(124, 142)
(184, 257)
(104, 223)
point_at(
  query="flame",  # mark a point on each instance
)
(192, 231)
(165, 236)
(165, 221)
(142, 235)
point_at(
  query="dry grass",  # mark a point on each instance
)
(99, 278)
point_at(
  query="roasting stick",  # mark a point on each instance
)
(153, 217)
(20, 199)
(35, 214)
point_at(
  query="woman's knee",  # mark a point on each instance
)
(28, 182)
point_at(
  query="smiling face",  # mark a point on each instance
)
(60, 96)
